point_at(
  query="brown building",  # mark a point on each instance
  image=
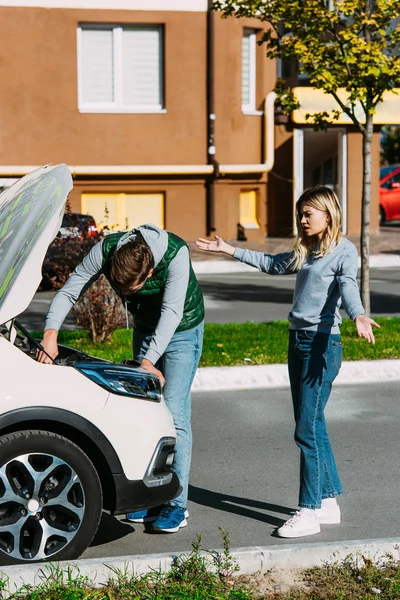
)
(162, 111)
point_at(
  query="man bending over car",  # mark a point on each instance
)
(151, 271)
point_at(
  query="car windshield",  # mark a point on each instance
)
(385, 171)
(76, 220)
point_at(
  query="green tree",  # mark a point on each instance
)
(350, 50)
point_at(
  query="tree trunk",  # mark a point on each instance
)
(366, 211)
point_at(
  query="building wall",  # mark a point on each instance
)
(184, 201)
(239, 136)
(39, 117)
(354, 178)
(40, 121)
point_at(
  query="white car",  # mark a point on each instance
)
(80, 435)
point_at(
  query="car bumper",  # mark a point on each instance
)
(134, 495)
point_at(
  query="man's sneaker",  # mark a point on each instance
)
(304, 522)
(328, 515)
(170, 519)
(147, 515)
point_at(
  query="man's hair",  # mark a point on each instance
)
(131, 264)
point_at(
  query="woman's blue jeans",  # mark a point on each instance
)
(178, 364)
(314, 361)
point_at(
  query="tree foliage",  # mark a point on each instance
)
(350, 45)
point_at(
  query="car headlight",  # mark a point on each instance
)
(124, 381)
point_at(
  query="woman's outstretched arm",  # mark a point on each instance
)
(278, 264)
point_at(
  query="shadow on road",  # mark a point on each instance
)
(244, 292)
(384, 303)
(381, 303)
(110, 530)
(239, 506)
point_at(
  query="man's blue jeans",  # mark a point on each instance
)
(178, 364)
(314, 361)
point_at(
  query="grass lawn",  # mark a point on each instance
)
(251, 343)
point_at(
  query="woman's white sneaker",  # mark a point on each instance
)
(328, 515)
(304, 522)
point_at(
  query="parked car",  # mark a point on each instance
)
(389, 194)
(78, 226)
(77, 436)
(77, 235)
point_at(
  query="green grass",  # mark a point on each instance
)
(196, 576)
(251, 343)
(350, 580)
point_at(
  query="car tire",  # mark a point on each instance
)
(382, 216)
(50, 498)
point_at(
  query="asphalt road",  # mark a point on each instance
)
(240, 297)
(245, 472)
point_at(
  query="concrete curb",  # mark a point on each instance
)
(214, 379)
(250, 560)
(215, 267)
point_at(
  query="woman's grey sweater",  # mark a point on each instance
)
(322, 285)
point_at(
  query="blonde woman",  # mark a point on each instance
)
(326, 267)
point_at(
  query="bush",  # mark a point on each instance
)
(99, 311)
(63, 255)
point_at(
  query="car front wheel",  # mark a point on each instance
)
(50, 498)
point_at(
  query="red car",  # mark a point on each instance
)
(389, 194)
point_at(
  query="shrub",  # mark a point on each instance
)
(99, 311)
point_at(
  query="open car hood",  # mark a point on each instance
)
(31, 212)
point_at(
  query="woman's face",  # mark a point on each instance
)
(313, 221)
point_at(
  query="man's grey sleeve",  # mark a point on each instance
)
(278, 264)
(172, 305)
(349, 291)
(84, 275)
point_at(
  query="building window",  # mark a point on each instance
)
(249, 70)
(248, 210)
(120, 69)
(119, 212)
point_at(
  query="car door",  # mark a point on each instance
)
(390, 196)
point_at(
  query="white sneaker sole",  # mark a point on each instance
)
(149, 519)
(289, 533)
(142, 520)
(172, 529)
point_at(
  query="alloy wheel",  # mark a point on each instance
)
(42, 505)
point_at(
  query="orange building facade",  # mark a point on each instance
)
(163, 116)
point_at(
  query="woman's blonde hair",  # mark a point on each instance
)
(320, 198)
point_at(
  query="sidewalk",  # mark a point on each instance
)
(386, 243)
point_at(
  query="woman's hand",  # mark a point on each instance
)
(364, 327)
(217, 245)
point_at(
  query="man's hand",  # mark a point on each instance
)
(364, 327)
(148, 366)
(217, 245)
(49, 343)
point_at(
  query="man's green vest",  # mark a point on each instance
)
(145, 305)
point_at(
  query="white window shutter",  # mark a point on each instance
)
(249, 70)
(141, 66)
(97, 70)
(246, 70)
